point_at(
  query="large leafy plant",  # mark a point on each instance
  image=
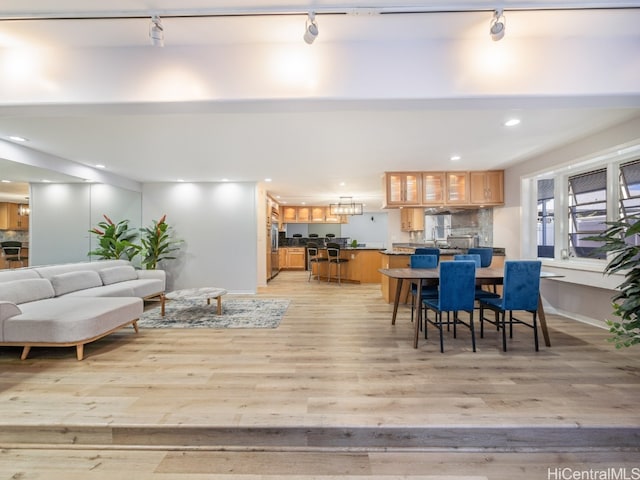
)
(620, 240)
(157, 244)
(115, 240)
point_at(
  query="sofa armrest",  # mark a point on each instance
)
(155, 275)
(8, 310)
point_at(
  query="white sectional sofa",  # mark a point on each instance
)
(73, 304)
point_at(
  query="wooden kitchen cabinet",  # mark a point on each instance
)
(487, 188)
(318, 214)
(289, 214)
(312, 214)
(457, 188)
(411, 219)
(304, 214)
(292, 258)
(403, 188)
(433, 188)
(10, 218)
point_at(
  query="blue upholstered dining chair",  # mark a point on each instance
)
(422, 261)
(456, 293)
(486, 255)
(521, 291)
(480, 293)
(474, 258)
(428, 251)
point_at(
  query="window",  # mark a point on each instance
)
(545, 228)
(630, 188)
(587, 212)
(630, 193)
(437, 227)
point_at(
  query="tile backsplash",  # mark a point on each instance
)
(16, 235)
(470, 222)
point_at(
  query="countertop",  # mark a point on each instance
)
(443, 251)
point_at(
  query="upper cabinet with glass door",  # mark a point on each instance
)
(403, 188)
(433, 188)
(457, 188)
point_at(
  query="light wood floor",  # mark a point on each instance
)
(335, 392)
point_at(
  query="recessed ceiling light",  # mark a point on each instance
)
(225, 179)
(6, 181)
(512, 122)
(44, 180)
(267, 179)
(99, 165)
(179, 180)
(455, 158)
(342, 184)
(17, 138)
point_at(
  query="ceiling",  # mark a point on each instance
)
(381, 89)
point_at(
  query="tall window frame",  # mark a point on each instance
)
(587, 212)
(622, 165)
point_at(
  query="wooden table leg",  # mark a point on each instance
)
(543, 322)
(396, 301)
(418, 314)
(219, 299)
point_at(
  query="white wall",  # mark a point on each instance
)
(369, 228)
(583, 294)
(62, 215)
(60, 221)
(218, 224)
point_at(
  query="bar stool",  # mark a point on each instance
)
(314, 258)
(333, 255)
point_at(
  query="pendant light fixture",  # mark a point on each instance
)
(346, 206)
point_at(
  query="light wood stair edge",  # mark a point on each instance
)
(503, 438)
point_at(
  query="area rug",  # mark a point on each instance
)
(236, 313)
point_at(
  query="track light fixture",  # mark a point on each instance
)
(156, 32)
(498, 26)
(311, 28)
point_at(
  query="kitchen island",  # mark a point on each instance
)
(362, 266)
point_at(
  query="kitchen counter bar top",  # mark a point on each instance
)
(409, 248)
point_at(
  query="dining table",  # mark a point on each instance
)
(430, 276)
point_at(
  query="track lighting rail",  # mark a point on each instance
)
(389, 10)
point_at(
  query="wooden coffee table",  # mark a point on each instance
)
(207, 293)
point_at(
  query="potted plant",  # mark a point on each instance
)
(115, 240)
(620, 241)
(157, 244)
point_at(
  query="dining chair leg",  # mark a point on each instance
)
(473, 332)
(535, 330)
(504, 331)
(439, 316)
(510, 323)
(455, 322)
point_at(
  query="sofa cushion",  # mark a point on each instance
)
(70, 319)
(26, 290)
(49, 271)
(118, 274)
(72, 281)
